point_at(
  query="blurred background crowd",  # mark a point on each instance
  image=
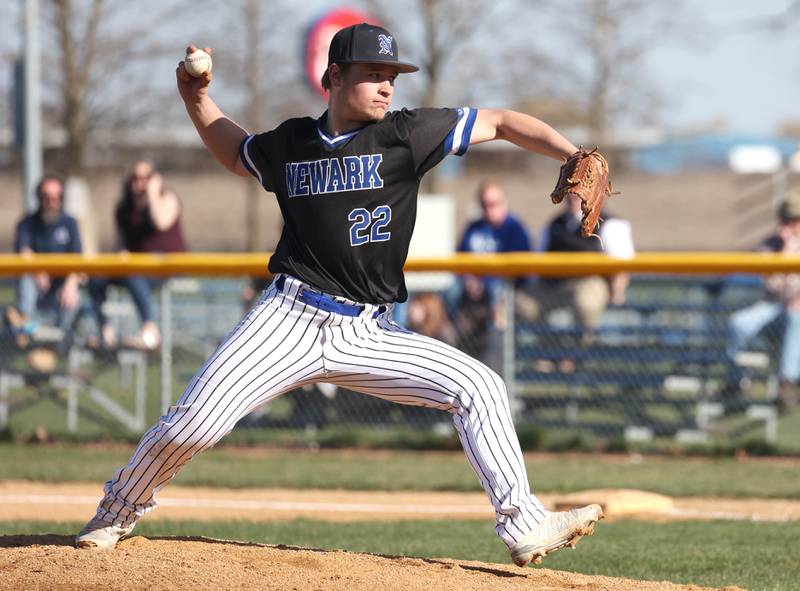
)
(695, 104)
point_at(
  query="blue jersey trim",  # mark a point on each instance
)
(244, 156)
(337, 140)
(472, 115)
(457, 141)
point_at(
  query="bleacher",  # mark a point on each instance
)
(655, 367)
(59, 367)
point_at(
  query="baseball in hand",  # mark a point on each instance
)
(197, 63)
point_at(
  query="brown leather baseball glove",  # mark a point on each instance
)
(585, 174)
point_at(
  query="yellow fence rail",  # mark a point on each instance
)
(511, 264)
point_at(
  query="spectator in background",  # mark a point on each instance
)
(475, 303)
(48, 230)
(427, 315)
(474, 318)
(497, 230)
(253, 289)
(587, 296)
(783, 306)
(148, 219)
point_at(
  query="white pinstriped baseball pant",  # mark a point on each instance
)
(284, 343)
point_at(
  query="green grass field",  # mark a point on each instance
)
(231, 467)
(42, 407)
(756, 556)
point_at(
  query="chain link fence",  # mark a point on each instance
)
(683, 358)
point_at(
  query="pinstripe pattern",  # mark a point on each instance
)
(283, 344)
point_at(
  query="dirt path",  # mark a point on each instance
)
(36, 501)
(50, 562)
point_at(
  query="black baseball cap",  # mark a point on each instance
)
(366, 44)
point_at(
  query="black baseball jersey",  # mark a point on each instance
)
(349, 202)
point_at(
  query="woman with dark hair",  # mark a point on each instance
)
(148, 219)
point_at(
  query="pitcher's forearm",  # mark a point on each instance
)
(221, 135)
(533, 135)
(525, 131)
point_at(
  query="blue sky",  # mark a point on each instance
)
(747, 78)
(750, 79)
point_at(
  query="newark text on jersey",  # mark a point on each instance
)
(334, 175)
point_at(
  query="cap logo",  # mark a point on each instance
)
(385, 42)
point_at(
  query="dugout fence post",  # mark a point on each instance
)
(509, 344)
(166, 345)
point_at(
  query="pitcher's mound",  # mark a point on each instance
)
(155, 564)
(617, 502)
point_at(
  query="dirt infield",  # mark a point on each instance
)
(50, 562)
(36, 501)
(174, 563)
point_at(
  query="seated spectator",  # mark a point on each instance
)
(497, 230)
(473, 318)
(427, 316)
(783, 307)
(48, 230)
(148, 219)
(252, 291)
(587, 296)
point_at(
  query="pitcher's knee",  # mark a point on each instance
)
(179, 448)
(495, 386)
(498, 382)
(477, 397)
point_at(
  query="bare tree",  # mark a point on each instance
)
(784, 23)
(260, 70)
(454, 42)
(786, 19)
(447, 28)
(10, 28)
(76, 65)
(607, 57)
(260, 84)
(103, 54)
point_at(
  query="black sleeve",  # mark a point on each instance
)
(74, 236)
(434, 133)
(254, 152)
(23, 237)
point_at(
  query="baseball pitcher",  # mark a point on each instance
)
(346, 183)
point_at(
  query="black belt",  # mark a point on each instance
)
(325, 302)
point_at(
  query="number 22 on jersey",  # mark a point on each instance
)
(369, 226)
